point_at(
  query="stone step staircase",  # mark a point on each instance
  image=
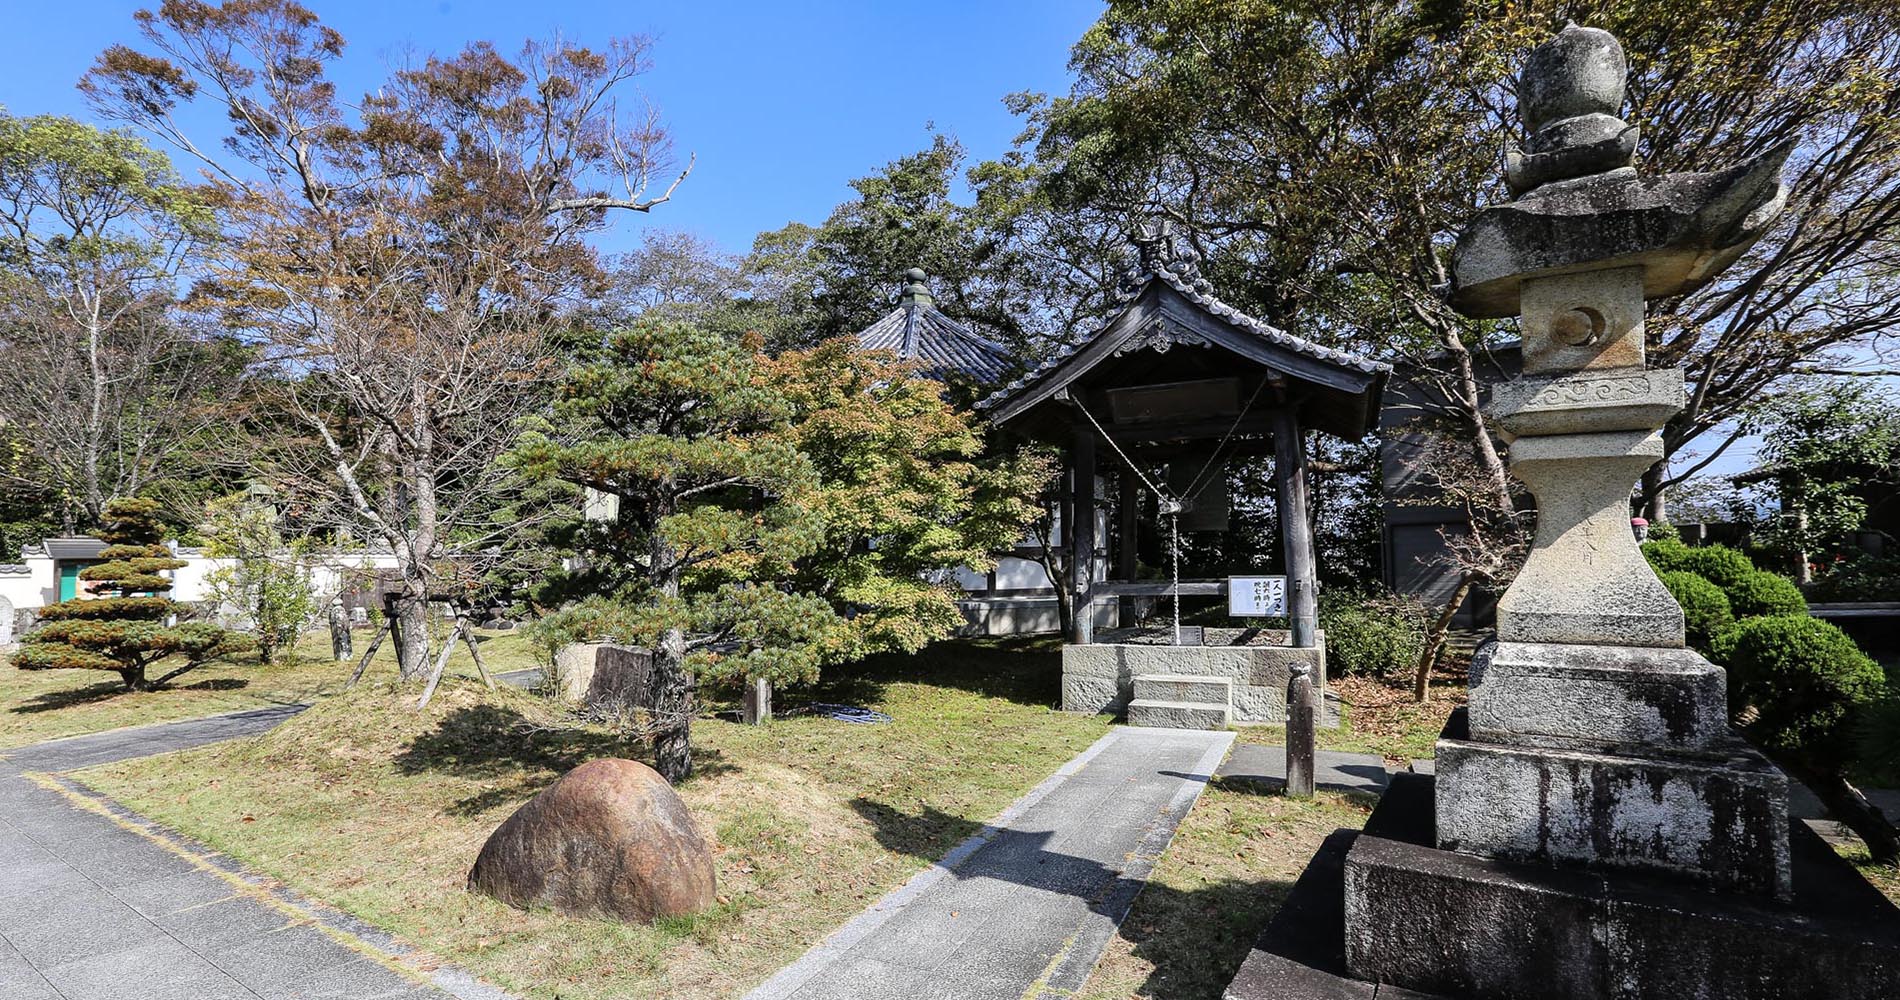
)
(1179, 701)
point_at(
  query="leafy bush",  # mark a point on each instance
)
(1764, 593)
(1805, 679)
(1865, 577)
(1663, 531)
(1667, 555)
(1718, 564)
(1705, 609)
(1369, 632)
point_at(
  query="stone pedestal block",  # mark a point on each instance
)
(1448, 924)
(1605, 696)
(1714, 819)
(1585, 580)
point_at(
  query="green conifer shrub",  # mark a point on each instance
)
(1805, 679)
(125, 623)
(1666, 555)
(1718, 564)
(1370, 632)
(1705, 609)
(1765, 593)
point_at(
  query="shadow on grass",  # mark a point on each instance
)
(1197, 939)
(927, 834)
(53, 701)
(1025, 670)
(490, 742)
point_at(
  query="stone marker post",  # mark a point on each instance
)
(756, 706)
(1300, 710)
(340, 645)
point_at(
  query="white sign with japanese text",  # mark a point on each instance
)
(1256, 596)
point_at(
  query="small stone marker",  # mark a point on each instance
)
(1299, 733)
(610, 840)
(757, 709)
(340, 647)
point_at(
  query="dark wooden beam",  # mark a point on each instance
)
(1127, 536)
(1296, 531)
(1160, 588)
(1255, 424)
(1082, 536)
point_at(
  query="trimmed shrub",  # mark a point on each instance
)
(1663, 531)
(1764, 593)
(1718, 564)
(1666, 555)
(1705, 609)
(1805, 679)
(1368, 632)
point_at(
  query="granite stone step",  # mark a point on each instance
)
(1183, 687)
(1178, 714)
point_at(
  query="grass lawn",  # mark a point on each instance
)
(1379, 716)
(379, 809)
(1226, 873)
(40, 705)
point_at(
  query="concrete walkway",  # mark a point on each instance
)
(97, 903)
(1023, 908)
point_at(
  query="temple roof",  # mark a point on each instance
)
(917, 331)
(1167, 305)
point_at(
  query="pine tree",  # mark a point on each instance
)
(121, 625)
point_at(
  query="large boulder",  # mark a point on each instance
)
(610, 839)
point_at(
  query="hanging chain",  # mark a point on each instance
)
(1174, 546)
(1169, 504)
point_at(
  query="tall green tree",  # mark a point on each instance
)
(1823, 449)
(714, 509)
(126, 624)
(907, 493)
(262, 579)
(839, 277)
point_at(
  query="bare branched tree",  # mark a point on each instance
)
(405, 256)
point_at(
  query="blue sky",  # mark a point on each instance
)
(784, 102)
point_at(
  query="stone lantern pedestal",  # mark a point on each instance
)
(1594, 827)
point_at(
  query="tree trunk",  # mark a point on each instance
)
(1845, 803)
(412, 637)
(1655, 509)
(672, 686)
(1435, 641)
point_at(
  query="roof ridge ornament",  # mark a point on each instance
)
(916, 289)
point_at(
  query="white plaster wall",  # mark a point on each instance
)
(38, 587)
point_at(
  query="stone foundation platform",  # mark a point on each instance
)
(1100, 677)
(1385, 914)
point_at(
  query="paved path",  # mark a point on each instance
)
(1024, 908)
(1346, 772)
(97, 903)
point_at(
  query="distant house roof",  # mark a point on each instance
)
(1167, 304)
(917, 331)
